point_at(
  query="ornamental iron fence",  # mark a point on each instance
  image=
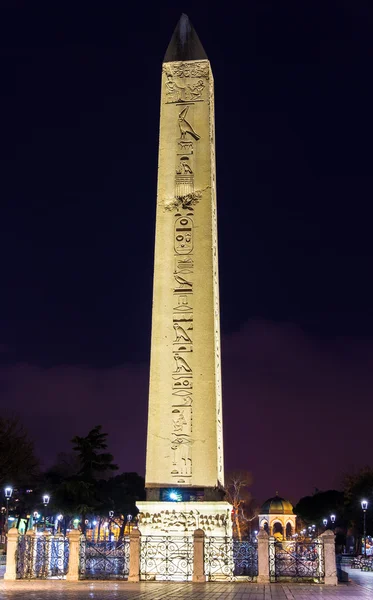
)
(228, 559)
(296, 561)
(42, 557)
(104, 559)
(166, 558)
(245, 558)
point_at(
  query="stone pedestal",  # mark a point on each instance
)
(263, 557)
(183, 518)
(134, 574)
(198, 557)
(11, 564)
(74, 559)
(187, 525)
(328, 539)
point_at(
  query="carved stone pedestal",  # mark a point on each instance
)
(183, 518)
(184, 541)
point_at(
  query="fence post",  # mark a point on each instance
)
(75, 538)
(198, 556)
(11, 554)
(134, 574)
(328, 540)
(263, 557)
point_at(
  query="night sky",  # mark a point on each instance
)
(80, 93)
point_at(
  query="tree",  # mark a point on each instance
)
(238, 495)
(91, 460)
(313, 509)
(357, 487)
(75, 481)
(18, 463)
(119, 494)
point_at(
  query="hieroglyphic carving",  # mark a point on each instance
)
(184, 125)
(219, 423)
(176, 92)
(185, 82)
(183, 238)
(180, 88)
(186, 147)
(186, 70)
(184, 166)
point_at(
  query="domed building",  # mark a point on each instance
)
(277, 517)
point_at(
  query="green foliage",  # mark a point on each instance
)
(91, 460)
(120, 493)
(357, 487)
(313, 509)
(79, 483)
(18, 464)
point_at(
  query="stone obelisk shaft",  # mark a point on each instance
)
(185, 442)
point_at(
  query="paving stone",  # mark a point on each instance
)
(360, 588)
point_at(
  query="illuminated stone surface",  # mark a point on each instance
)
(185, 442)
(106, 590)
(178, 518)
(185, 435)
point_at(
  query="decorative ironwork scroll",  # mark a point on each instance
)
(104, 560)
(42, 557)
(298, 561)
(245, 558)
(166, 558)
(230, 560)
(59, 556)
(219, 565)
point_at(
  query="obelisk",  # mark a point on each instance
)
(184, 458)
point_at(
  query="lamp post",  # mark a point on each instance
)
(8, 491)
(111, 516)
(364, 506)
(332, 519)
(129, 519)
(46, 499)
(35, 519)
(325, 522)
(57, 524)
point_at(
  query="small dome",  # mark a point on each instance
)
(277, 506)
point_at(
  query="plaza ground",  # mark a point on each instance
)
(361, 587)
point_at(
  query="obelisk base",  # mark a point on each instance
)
(170, 532)
(183, 518)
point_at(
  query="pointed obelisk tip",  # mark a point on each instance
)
(184, 44)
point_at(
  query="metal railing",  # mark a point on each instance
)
(228, 559)
(296, 561)
(166, 558)
(42, 557)
(104, 559)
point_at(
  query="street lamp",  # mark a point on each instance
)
(129, 519)
(364, 506)
(325, 522)
(46, 499)
(8, 491)
(332, 518)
